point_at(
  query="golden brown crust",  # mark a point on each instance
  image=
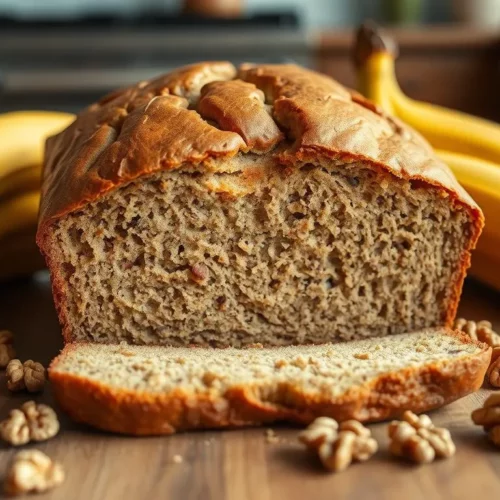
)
(221, 102)
(160, 125)
(418, 389)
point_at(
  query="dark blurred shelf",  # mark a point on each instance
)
(428, 37)
(160, 19)
(454, 66)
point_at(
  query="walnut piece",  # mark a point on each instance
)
(271, 437)
(417, 439)
(489, 417)
(337, 446)
(30, 423)
(29, 376)
(199, 272)
(362, 355)
(321, 430)
(32, 471)
(481, 330)
(493, 373)
(494, 435)
(7, 352)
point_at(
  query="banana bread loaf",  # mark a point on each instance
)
(222, 207)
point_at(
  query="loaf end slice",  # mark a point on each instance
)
(145, 390)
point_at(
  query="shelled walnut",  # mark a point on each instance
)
(337, 446)
(32, 471)
(29, 375)
(489, 417)
(30, 423)
(483, 331)
(493, 373)
(480, 330)
(417, 439)
(7, 352)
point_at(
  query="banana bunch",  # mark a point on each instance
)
(22, 142)
(470, 146)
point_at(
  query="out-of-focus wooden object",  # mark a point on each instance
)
(214, 8)
(477, 12)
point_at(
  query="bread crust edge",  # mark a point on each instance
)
(122, 411)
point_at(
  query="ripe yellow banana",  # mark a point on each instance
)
(23, 135)
(470, 146)
(19, 181)
(444, 128)
(22, 141)
(18, 253)
(18, 213)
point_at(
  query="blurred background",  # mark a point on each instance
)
(63, 54)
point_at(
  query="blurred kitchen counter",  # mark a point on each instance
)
(66, 69)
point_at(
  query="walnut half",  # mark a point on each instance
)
(29, 375)
(32, 471)
(480, 330)
(489, 418)
(337, 446)
(30, 423)
(417, 439)
(493, 373)
(483, 331)
(7, 352)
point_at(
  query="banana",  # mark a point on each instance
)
(22, 141)
(23, 135)
(444, 128)
(470, 146)
(19, 181)
(18, 213)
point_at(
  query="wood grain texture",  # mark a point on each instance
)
(239, 465)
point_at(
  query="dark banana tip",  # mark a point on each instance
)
(371, 39)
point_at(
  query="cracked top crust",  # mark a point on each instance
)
(208, 111)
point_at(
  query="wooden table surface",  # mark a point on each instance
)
(239, 464)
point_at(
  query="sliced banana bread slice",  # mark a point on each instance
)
(160, 390)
